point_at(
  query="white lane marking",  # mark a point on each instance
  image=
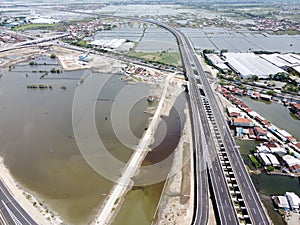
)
(14, 205)
(14, 218)
(3, 220)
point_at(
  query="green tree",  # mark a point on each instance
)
(255, 77)
(224, 51)
(271, 92)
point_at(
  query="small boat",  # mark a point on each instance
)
(150, 98)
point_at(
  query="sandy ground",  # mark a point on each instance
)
(40, 213)
(69, 60)
(17, 56)
(207, 68)
(292, 218)
(176, 205)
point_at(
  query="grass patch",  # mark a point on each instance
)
(117, 200)
(81, 43)
(35, 26)
(254, 161)
(167, 58)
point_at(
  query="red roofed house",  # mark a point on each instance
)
(297, 146)
(295, 168)
(242, 122)
(295, 108)
(234, 114)
(291, 138)
(251, 134)
(260, 133)
(248, 110)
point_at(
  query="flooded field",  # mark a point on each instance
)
(144, 9)
(149, 38)
(37, 142)
(145, 198)
(157, 40)
(241, 40)
(130, 32)
(39, 147)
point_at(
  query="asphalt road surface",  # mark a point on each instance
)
(11, 213)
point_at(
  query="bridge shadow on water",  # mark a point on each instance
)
(166, 139)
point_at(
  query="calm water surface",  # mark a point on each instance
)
(36, 139)
(277, 114)
(144, 199)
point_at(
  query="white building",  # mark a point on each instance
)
(283, 61)
(249, 64)
(293, 200)
(264, 159)
(217, 62)
(273, 160)
(262, 149)
(110, 44)
(281, 202)
(44, 20)
(290, 160)
(278, 150)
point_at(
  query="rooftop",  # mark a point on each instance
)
(281, 202)
(249, 64)
(241, 120)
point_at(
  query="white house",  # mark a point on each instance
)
(293, 199)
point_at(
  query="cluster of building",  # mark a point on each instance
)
(273, 154)
(33, 19)
(251, 93)
(11, 21)
(289, 201)
(294, 107)
(246, 65)
(243, 117)
(7, 37)
(275, 25)
(81, 30)
(186, 21)
(281, 150)
(143, 74)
